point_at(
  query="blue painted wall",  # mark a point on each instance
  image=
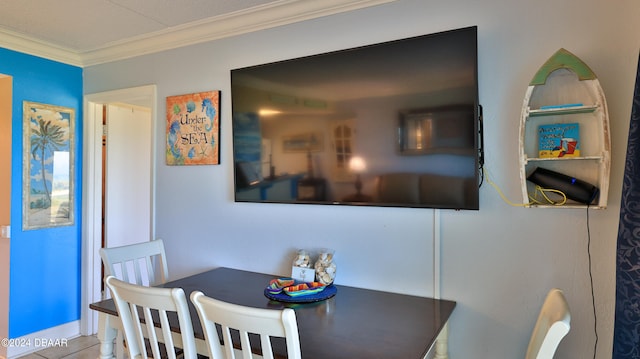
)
(45, 283)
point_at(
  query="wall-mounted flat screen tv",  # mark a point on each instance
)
(391, 124)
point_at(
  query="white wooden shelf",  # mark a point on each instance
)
(581, 158)
(561, 111)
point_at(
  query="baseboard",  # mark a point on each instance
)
(56, 336)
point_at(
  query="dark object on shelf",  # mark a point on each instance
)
(575, 189)
(312, 189)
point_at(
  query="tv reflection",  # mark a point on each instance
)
(418, 160)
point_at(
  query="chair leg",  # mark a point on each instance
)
(120, 345)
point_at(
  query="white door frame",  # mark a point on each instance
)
(92, 189)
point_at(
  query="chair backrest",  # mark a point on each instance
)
(554, 322)
(131, 299)
(141, 263)
(264, 322)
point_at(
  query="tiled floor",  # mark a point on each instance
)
(78, 348)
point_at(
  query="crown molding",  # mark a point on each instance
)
(267, 16)
(32, 46)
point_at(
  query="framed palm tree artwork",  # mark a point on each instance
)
(48, 166)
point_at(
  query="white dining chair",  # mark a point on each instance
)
(554, 322)
(131, 299)
(266, 323)
(142, 263)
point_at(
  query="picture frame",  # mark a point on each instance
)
(444, 129)
(193, 129)
(48, 182)
(304, 142)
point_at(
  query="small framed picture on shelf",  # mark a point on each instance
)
(559, 140)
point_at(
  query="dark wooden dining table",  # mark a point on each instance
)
(355, 323)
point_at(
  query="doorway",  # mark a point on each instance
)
(126, 134)
(6, 96)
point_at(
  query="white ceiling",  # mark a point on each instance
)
(88, 32)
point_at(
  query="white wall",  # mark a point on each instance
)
(497, 263)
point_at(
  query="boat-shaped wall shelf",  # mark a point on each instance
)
(564, 127)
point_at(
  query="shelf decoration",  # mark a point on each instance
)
(193, 129)
(559, 140)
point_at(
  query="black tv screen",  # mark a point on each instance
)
(390, 124)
